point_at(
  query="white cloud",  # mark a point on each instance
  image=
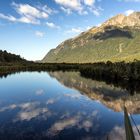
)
(39, 34)
(28, 14)
(80, 6)
(10, 18)
(128, 12)
(89, 2)
(21, 19)
(72, 4)
(96, 10)
(29, 20)
(83, 12)
(52, 25)
(29, 11)
(48, 10)
(66, 10)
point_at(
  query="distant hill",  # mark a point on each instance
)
(117, 39)
(6, 57)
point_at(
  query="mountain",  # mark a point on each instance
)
(6, 57)
(116, 39)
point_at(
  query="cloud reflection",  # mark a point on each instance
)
(13, 106)
(52, 101)
(118, 133)
(61, 125)
(32, 110)
(28, 111)
(40, 92)
(30, 114)
(79, 121)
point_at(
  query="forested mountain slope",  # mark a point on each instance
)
(117, 39)
(6, 57)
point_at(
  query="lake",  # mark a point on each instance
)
(63, 106)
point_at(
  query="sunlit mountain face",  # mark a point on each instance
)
(117, 39)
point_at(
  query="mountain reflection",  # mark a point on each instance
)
(112, 97)
(62, 106)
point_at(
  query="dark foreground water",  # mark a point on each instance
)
(63, 106)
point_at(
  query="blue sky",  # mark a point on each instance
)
(32, 27)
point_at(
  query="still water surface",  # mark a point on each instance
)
(63, 106)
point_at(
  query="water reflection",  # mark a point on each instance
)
(112, 97)
(62, 106)
(118, 133)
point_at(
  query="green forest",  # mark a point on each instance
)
(9, 57)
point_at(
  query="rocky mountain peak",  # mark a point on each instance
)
(122, 20)
(132, 20)
(115, 21)
(135, 15)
